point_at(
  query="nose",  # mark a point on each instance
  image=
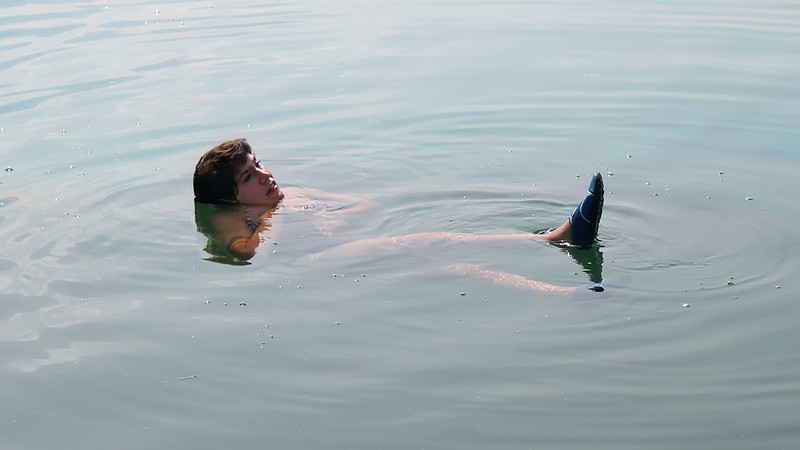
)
(265, 175)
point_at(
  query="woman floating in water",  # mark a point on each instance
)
(245, 195)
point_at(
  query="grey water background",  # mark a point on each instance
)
(481, 117)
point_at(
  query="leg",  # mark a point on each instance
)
(560, 234)
(582, 297)
(580, 229)
(409, 241)
(507, 280)
(586, 218)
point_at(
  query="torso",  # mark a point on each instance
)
(305, 216)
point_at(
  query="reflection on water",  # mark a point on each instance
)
(473, 118)
(72, 354)
(214, 247)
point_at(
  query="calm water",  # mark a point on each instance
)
(117, 332)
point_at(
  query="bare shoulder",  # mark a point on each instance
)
(229, 223)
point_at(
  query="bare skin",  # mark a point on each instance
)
(506, 280)
(259, 196)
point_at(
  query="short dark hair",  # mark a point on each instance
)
(214, 175)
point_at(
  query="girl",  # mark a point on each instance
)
(245, 196)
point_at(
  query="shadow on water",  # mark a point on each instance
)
(591, 260)
(216, 249)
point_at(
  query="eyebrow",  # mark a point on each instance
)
(246, 169)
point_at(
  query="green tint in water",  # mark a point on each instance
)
(117, 331)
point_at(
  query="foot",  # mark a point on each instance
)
(586, 218)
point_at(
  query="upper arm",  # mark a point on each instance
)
(241, 248)
(235, 235)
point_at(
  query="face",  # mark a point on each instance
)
(255, 184)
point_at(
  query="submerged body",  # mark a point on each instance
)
(248, 201)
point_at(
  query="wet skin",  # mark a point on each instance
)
(255, 185)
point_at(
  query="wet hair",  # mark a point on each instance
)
(214, 175)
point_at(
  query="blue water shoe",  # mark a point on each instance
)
(586, 218)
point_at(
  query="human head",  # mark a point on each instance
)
(214, 175)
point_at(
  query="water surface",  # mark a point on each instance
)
(477, 117)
